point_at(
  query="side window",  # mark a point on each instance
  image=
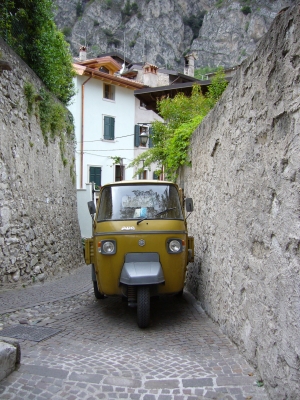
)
(109, 128)
(95, 176)
(108, 92)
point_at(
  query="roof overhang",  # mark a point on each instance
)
(95, 63)
(107, 78)
(150, 96)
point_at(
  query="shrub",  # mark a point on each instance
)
(246, 10)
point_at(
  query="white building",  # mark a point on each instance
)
(108, 123)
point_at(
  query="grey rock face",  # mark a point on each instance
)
(245, 183)
(162, 31)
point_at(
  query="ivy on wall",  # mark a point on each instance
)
(28, 27)
(55, 120)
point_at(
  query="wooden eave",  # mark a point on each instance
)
(110, 79)
(107, 62)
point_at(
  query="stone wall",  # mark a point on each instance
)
(39, 231)
(245, 182)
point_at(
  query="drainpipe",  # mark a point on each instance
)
(82, 130)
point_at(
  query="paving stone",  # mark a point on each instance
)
(42, 371)
(201, 382)
(101, 353)
(120, 381)
(162, 383)
(91, 378)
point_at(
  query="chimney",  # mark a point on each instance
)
(150, 77)
(189, 64)
(82, 53)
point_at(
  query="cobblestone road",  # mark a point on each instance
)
(100, 353)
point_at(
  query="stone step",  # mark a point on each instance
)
(10, 356)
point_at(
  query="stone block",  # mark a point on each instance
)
(10, 355)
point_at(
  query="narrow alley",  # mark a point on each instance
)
(93, 349)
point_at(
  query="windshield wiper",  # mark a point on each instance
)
(156, 215)
(164, 211)
(141, 220)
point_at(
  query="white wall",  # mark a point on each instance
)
(142, 115)
(97, 152)
(84, 217)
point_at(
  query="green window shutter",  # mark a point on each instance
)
(109, 128)
(95, 175)
(150, 137)
(136, 135)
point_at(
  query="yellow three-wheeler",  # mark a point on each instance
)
(140, 245)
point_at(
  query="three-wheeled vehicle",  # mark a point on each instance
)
(140, 245)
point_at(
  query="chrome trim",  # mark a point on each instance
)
(141, 233)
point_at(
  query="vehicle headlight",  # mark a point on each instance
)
(107, 247)
(174, 246)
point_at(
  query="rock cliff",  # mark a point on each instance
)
(222, 32)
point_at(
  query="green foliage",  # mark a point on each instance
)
(216, 88)
(245, 6)
(108, 4)
(129, 10)
(201, 72)
(55, 120)
(178, 144)
(67, 31)
(117, 160)
(111, 40)
(246, 10)
(219, 3)
(108, 33)
(30, 95)
(28, 27)
(79, 9)
(182, 115)
(195, 22)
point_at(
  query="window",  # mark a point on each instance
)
(143, 175)
(109, 92)
(119, 173)
(156, 175)
(104, 69)
(95, 176)
(109, 128)
(155, 201)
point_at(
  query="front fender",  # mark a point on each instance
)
(142, 269)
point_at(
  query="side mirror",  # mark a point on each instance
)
(91, 207)
(189, 206)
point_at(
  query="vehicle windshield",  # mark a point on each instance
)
(138, 202)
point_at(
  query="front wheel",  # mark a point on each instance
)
(143, 306)
(97, 294)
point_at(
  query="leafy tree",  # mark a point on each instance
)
(182, 115)
(201, 72)
(29, 28)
